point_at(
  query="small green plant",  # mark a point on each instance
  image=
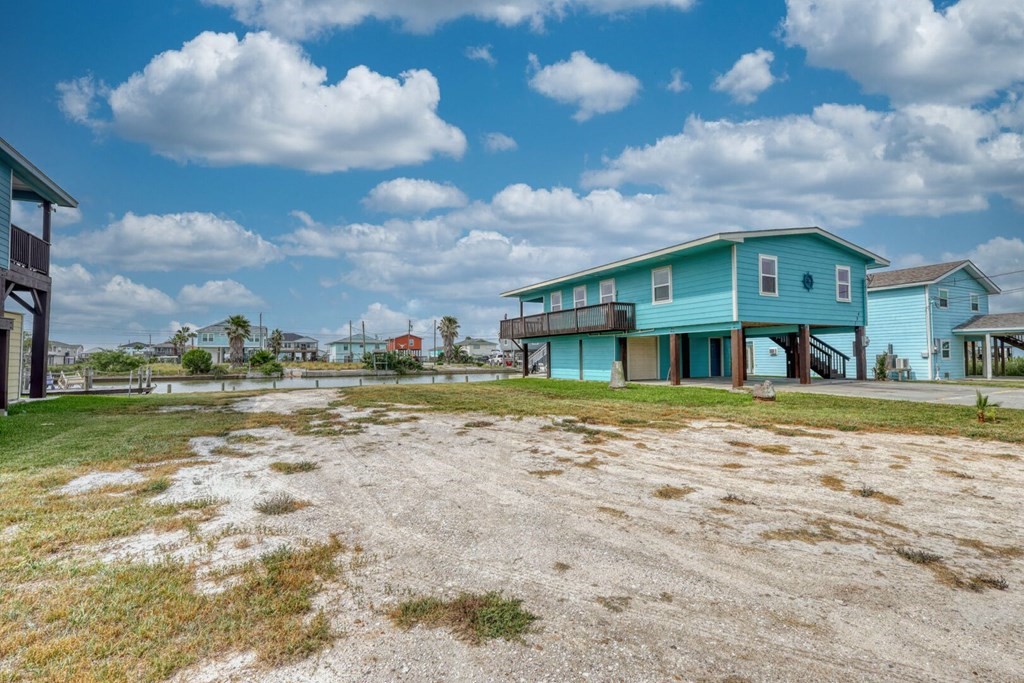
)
(260, 358)
(280, 504)
(986, 409)
(197, 361)
(294, 467)
(272, 368)
(881, 367)
(917, 556)
(673, 492)
(474, 618)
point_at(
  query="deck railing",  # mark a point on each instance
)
(28, 251)
(609, 317)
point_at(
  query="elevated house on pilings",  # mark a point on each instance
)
(25, 263)
(693, 310)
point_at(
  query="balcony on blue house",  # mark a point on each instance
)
(613, 316)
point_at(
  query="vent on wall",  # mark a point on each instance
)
(773, 351)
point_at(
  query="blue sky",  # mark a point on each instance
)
(320, 161)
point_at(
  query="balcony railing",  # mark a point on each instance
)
(30, 252)
(610, 317)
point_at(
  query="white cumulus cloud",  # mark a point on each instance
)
(677, 84)
(750, 76)
(593, 87)
(412, 195)
(306, 18)
(911, 50)
(481, 53)
(168, 242)
(80, 296)
(260, 100)
(499, 142)
(222, 293)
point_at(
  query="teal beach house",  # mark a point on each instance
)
(695, 310)
(932, 320)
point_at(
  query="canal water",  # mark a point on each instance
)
(198, 386)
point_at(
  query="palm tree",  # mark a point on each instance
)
(276, 342)
(181, 339)
(239, 329)
(449, 329)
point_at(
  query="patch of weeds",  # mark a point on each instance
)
(834, 483)
(561, 567)
(614, 512)
(956, 474)
(980, 582)
(847, 428)
(916, 555)
(243, 543)
(866, 491)
(473, 618)
(673, 492)
(474, 424)
(1006, 456)
(280, 504)
(775, 449)
(897, 466)
(788, 431)
(641, 445)
(546, 473)
(1009, 552)
(736, 500)
(613, 603)
(155, 486)
(665, 597)
(592, 464)
(632, 421)
(740, 444)
(733, 466)
(821, 532)
(294, 467)
(245, 438)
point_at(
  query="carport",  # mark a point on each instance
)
(995, 333)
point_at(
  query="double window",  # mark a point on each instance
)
(661, 285)
(556, 301)
(843, 283)
(607, 291)
(943, 298)
(768, 275)
(206, 337)
(579, 296)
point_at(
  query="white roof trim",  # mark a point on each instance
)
(734, 237)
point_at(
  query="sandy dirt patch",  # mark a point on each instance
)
(763, 562)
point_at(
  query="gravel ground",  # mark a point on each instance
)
(798, 581)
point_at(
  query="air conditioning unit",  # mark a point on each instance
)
(903, 363)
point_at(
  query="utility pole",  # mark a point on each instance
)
(350, 349)
(434, 350)
(410, 328)
(364, 336)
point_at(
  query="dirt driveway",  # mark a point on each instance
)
(762, 562)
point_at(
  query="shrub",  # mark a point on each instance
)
(197, 361)
(220, 370)
(1015, 367)
(261, 358)
(880, 365)
(115, 361)
(399, 362)
(271, 368)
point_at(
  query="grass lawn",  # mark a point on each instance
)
(661, 406)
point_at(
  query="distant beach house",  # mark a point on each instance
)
(299, 347)
(25, 267)
(214, 339)
(59, 353)
(477, 347)
(406, 344)
(935, 322)
(695, 309)
(352, 349)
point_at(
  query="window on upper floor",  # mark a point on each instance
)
(943, 298)
(768, 275)
(556, 301)
(579, 296)
(206, 337)
(607, 291)
(944, 349)
(843, 283)
(975, 303)
(661, 285)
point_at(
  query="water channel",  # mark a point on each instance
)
(199, 386)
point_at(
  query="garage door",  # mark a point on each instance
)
(642, 358)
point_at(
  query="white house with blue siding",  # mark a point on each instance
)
(932, 319)
(214, 339)
(694, 309)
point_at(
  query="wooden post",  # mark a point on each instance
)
(737, 359)
(804, 359)
(860, 353)
(547, 368)
(623, 347)
(526, 359)
(40, 344)
(47, 210)
(684, 344)
(673, 363)
(743, 340)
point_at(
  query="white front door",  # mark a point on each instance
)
(642, 358)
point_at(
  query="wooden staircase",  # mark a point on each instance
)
(827, 361)
(1016, 340)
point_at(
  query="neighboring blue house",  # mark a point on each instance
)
(932, 318)
(695, 309)
(214, 338)
(352, 349)
(25, 267)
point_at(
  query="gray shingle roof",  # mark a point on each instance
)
(994, 321)
(911, 276)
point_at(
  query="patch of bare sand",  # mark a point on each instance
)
(797, 582)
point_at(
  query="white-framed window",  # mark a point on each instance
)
(556, 301)
(579, 296)
(975, 303)
(768, 275)
(944, 349)
(943, 298)
(843, 283)
(661, 285)
(607, 291)
(206, 337)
